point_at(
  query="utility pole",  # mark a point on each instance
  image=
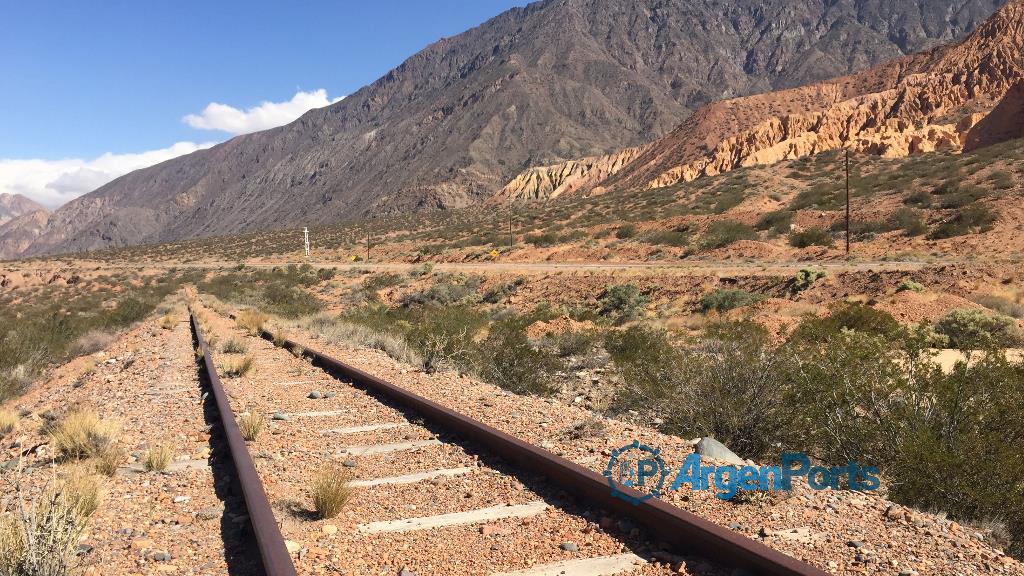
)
(847, 202)
(305, 234)
(510, 198)
(367, 243)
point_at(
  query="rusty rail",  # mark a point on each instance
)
(670, 523)
(276, 559)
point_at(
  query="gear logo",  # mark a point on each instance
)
(639, 467)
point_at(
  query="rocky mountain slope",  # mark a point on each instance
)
(555, 80)
(967, 92)
(14, 205)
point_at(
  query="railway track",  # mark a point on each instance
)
(438, 492)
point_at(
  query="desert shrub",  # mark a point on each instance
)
(625, 231)
(381, 281)
(956, 195)
(234, 346)
(777, 221)
(805, 278)
(920, 199)
(810, 237)
(910, 221)
(847, 316)
(446, 291)
(81, 434)
(91, 342)
(290, 301)
(969, 328)
(1000, 304)
(966, 221)
(725, 232)
(168, 321)
(678, 237)
(574, 343)
(542, 240)
(250, 424)
(41, 540)
(908, 284)
(331, 492)
(443, 337)
(502, 291)
(238, 367)
(252, 321)
(823, 196)
(508, 360)
(158, 458)
(622, 303)
(725, 300)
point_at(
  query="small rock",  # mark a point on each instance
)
(569, 547)
(211, 513)
(329, 529)
(330, 394)
(142, 544)
(83, 549)
(315, 395)
(292, 546)
(855, 544)
(406, 572)
(280, 416)
(159, 556)
(349, 463)
(181, 499)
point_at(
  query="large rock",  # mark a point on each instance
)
(708, 447)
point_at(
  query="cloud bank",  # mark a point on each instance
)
(54, 182)
(217, 116)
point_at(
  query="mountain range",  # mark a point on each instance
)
(535, 86)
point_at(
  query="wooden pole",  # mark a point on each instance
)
(847, 201)
(510, 197)
(367, 243)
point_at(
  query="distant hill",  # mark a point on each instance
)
(14, 205)
(965, 94)
(556, 80)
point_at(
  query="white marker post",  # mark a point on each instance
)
(305, 233)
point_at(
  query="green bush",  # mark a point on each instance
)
(847, 316)
(725, 232)
(910, 221)
(502, 291)
(805, 278)
(290, 301)
(622, 303)
(969, 328)
(678, 237)
(910, 285)
(446, 291)
(574, 343)
(725, 300)
(443, 337)
(508, 360)
(920, 199)
(1000, 304)
(810, 237)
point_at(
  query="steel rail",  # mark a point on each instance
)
(277, 561)
(674, 525)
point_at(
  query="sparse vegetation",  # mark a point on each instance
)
(969, 328)
(238, 367)
(725, 232)
(8, 422)
(158, 458)
(234, 346)
(331, 492)
(810, 237)
(252, 321)
(725, 300)
(82, 434)
(1000, 304)
(908, 284)
(250, 424)
(109, 460)
(968, 220)
(622, 303)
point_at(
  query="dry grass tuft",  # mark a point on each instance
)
(82, 434)
(158, 458)
(252, 321)
(251, 424)
(331, 491)
(91, 342)
(8, 422)
(234, 346)
(238, 367)
(109, 460)
(280, 337)
(168, 322)
(298, 351)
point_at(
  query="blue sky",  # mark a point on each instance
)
(120, 78)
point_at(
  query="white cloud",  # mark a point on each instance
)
(54, 182)
(217, 116)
